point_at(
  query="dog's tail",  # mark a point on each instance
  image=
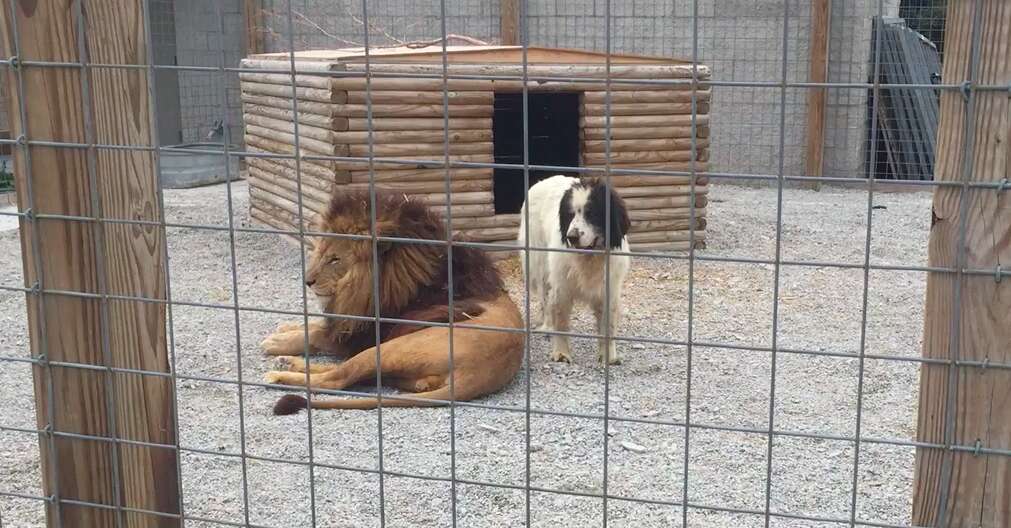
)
(292, 403)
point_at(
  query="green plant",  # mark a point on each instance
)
(6, 180)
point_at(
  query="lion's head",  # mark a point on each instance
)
(412, 275)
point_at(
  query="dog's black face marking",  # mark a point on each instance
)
(565, 215)
(596, 212)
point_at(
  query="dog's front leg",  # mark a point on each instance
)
(607, 325)
(557, 313)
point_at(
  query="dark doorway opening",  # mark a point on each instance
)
(553, 140)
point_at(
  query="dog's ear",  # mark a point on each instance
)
(619, 214)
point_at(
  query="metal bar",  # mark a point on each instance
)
(569, 493)
(495, 246)
(954, 343)
(42, 356)
(961, 448)
(538, 78)
(227, 143)
(373, 232)
(449, 266)
(302, 269)
(606, 357)
(674, 342)
(689, 349)
(777, 265)
(430, 163)
(528, 356)
(156, 154)
(869, 215)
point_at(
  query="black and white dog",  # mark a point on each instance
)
(570, 212)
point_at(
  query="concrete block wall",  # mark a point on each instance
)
(199, 42)
(321, 24)
(741, 40)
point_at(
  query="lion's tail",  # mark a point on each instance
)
(292, 403)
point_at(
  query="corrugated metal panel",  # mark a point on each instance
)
(906, 117)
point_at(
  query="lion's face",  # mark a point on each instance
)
(330, 262)
(340, 270)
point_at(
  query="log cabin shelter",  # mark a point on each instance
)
(395, 106)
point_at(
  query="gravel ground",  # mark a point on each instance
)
(819, 309)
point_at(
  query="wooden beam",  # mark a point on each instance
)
(966, 316)
(509, 26)
(816, 97)
(252, 11)
(94, 258)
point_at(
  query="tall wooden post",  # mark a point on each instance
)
(509, 22)
(816, 97)
(252, 11)
(94, 258)
(968, 317)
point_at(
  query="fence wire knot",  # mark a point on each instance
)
(21, 140)
(966, 90)
(977, 447)
(15, 62)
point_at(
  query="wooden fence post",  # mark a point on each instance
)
(816, 97)
(509, 22)
(89, 257)
(252, 11)
(968, 317)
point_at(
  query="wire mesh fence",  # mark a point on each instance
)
(768, 376)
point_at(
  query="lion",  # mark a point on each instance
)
(413, 285)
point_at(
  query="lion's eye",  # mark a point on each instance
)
(334, 260)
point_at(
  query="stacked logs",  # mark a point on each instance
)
(651, 128)
(271, 127)
(333, 120)
(654, 130)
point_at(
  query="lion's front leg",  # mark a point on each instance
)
(298, 364)
(289, 339)
(321, 380)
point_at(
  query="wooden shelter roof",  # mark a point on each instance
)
(470, 55)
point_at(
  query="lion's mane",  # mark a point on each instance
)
(413, 277)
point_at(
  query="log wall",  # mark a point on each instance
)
(650, 127)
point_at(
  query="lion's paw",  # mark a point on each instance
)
(288, 327)
(276, 345)
(291, 363)
(273, 377)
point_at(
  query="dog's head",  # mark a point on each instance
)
(583, 218)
